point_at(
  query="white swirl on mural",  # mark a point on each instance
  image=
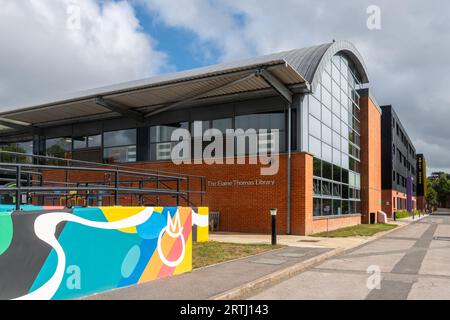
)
(45, 229)
(200, 220)
(170, 230)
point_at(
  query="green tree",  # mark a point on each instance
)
(431, 196)
(441, 186)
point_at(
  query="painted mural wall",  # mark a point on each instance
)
(66, 255)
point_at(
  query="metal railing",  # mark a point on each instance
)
(96, 182)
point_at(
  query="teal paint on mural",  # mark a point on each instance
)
(6, 231)
(98, 254)
(130, 262)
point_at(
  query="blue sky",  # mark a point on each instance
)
(184, 49)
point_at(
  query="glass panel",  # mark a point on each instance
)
(336, 173)
(326, 117)
(327, 207)
(326, 188)
(120, 154)
(345, 194)
(317, 207)
(164, 133)
(223, 124)
(59, 147)
(345, 160)
(25, 147)
(80, 142)
(336, 140)
(317, 186)
(326, 98)
(326, 153)
(261, 121)
(336, 124)
(326, 81)
(337, 207)
(315, 147)
(317, 167)
(336, 190)
(95, 141)
(345, 207)
(327, 170)
(120, 138)
(326, 135)
(336, 157)
(315, 127)
(315, 107)
(204, 125)
(345, 176)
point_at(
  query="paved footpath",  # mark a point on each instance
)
(414, 262)
(205, 283)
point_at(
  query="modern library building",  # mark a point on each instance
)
(323, 135)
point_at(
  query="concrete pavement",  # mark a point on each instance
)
(205, 283)
(414, 262)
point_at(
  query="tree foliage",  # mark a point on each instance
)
(438, 189)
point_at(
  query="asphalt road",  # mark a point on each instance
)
(411, 263)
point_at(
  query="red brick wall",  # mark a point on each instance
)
(370, 158)
(330, 224)
(243, 208)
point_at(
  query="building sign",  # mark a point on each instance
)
(241, 183)
(421, 175)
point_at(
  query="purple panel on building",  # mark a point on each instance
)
(409, 193)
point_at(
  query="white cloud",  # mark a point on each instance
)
(41, 57)
(407, 59)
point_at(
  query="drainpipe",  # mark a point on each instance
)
(289, 147)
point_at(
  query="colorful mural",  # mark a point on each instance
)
(67, 255)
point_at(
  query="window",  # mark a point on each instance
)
(25, 147)
(87, 142)
(317, 207)
(223, 124)
(317, 167)
(326, 207)
(263, 121)
(315, 107)
(334, 136)
(59, 147)
(315, 127)
(119, 146)
(161, 143)
(327, 170)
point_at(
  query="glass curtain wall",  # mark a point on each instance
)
(334, 140)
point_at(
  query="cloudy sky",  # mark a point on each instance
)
(46, 51)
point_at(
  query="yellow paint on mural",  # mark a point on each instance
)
(186, 264)
(203, 232)
(119, 213)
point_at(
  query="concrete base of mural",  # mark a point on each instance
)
(67, 255)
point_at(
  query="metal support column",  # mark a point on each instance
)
(18, 185)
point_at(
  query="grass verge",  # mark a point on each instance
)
(212, 252)
(405, 214)
(356, 231)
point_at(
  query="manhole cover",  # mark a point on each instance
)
(292, 255)
(311, 241)
(442, 238)
(269, 261)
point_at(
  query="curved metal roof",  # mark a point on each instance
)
(310, 62)
(299, 68)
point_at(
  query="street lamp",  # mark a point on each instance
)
(273, 213)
